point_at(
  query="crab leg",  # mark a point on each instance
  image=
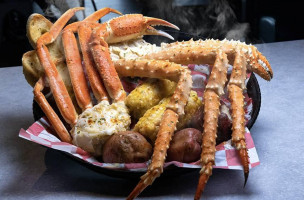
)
(100, 13)
(236, 86)
(164, 136)
(116, 30)
(258, 63)
(73, 60)
(148, 68)
(106, 69)
(74, 64)
(204, 52)
(50, 113)
(58, 88)
(238, 126)
(160, 69)
(175, 108)
(214, 89)
(84, 33)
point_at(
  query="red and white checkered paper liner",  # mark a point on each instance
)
(226, 156)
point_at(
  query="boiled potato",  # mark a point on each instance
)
(185, 146)
(126, 147)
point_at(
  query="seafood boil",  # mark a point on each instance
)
(72, 67)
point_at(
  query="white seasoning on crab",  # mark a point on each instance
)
(97, 124)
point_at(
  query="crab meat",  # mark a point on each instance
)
(97, 124)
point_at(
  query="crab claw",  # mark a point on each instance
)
(152, 31)
(150, 21)
(134, 26)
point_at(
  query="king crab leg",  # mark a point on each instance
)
(175, 108)
(204, 52)
(207, 52)
(236, 86)
(214, 89)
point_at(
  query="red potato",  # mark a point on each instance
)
(127, 147)
(185, 146)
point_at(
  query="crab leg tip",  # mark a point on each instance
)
(78, 8)
(201, 186)
(160, 22)
(115, 11)
(271, 75)
(137, 190)
(174, 27)
(162, 33)
(100, 13)
(246, 178)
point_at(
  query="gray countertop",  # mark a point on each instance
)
(29, 171)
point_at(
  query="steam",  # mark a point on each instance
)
(212, 19)
(215, 19)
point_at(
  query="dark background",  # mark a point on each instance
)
(264, 20)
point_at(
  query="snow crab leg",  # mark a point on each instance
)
(73, 59)
(58, 88)
(117, 30)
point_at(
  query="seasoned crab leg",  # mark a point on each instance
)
(175, 108)
(106, 69)
(84, 33)
(214, 89)
(73, 58)
(50, 113)
(74, 63)
(58, 88)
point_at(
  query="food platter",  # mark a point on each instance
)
(206, 96)
(253, 91)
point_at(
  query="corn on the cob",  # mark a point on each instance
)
(148, 125)
(148, 95)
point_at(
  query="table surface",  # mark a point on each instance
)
(29, 171)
